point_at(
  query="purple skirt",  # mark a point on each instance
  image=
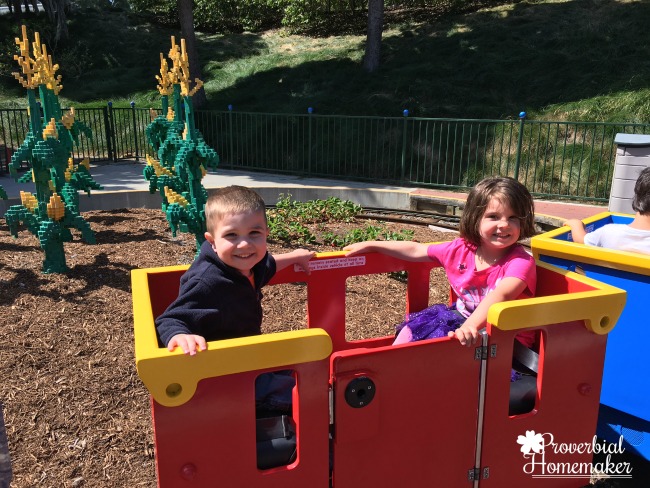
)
(432, 322)
(437, 321)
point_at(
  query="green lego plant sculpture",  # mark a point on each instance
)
(48, 149)
(183, 154)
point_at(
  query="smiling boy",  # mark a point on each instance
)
(220, 294)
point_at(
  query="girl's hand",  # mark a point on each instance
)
(189, 343)
(466, 334)
(357, 248)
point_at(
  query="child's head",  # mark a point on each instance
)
(641, 201)
(505, 190)
(231, 200)
(237, 228)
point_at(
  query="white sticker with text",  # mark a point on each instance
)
(334, 263)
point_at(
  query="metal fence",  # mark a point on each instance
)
(555, 159)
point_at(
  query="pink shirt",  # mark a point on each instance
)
(458, 259)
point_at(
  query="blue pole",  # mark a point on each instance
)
(405, 113)
(310, 110)
(522, 118)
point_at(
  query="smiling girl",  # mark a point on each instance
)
(485, 265)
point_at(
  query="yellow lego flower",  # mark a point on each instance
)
(173, 197)
(68, 119)
(55, 208)
(39, 69)
(158, 168)
(28, 200)
(50, 130)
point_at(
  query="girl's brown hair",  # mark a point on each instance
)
(508, 191)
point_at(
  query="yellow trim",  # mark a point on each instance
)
(546, 244)
(172, 377)
(599, 308)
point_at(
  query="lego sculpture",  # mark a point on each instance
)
(182, 153)
(48, 146)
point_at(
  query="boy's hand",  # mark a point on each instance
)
(189, 343)
(578, 231)
(573, 223)
(301, 258)
(466, 334)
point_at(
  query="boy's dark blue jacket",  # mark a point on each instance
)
(216, 301)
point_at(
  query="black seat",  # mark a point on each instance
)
(276, 441)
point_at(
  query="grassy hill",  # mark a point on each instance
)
(557, 60)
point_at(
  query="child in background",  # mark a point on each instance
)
(220, 294)
(485, 265)
(634, 237)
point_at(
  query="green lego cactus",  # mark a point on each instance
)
(48, 148)
(182, 153)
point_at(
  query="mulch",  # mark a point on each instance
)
(76, 412)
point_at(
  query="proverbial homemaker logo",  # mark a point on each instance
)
(545, 457)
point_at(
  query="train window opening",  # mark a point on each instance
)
(284, 307)
(368, 314)
(439, 290)
(523, 376)
(275, 427)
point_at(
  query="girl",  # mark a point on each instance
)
(485, 265)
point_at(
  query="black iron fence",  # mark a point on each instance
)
(556, 159)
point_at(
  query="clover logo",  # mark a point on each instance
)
(531, 442)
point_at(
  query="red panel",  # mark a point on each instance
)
(210, 440)
(571, 364)
(555, 283)
(326, 292)
(420, 428)
(163, 289)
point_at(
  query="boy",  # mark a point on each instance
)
(220, 294)
(634, 237)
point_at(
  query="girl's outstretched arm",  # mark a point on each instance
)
(407, 250)
(508, 289)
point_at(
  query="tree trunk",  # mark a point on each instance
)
(373, 40)
(61, 19)
(186, 18)
(56, 13)
(49, 9)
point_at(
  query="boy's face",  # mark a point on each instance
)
(240, 240)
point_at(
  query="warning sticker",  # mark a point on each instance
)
(334, 263)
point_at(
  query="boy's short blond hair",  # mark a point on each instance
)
(231, 200)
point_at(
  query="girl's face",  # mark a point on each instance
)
(499, 227)
(240, 240)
